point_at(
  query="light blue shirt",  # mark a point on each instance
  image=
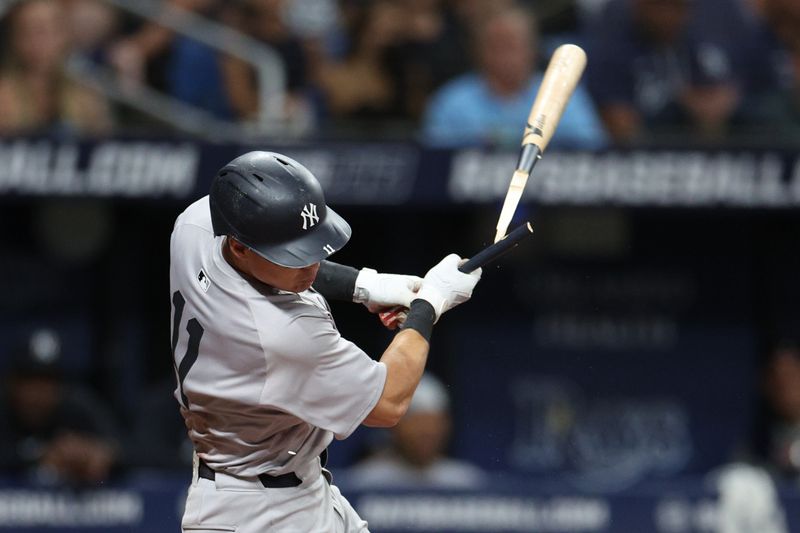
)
(464, 112)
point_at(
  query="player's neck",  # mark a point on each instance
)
(233, 260)
(241, 267)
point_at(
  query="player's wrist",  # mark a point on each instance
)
(421, 317)
(365, 282)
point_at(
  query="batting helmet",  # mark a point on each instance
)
(275, 206)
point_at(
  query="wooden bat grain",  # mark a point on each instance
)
(559, 82)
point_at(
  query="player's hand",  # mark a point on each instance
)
(394, 317)
(445, 287)
(380, 292)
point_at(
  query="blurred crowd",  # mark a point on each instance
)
(57, 429)
(446, 72)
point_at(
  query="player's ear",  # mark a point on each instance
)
(236, 248)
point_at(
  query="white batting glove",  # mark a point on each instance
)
(445, 287)
(379, 291)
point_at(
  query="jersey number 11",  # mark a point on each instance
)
(195, 331)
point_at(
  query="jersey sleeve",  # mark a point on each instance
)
(320, 377)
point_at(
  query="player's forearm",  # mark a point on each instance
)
(405, 360)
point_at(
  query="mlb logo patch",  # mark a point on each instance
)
(202, 279)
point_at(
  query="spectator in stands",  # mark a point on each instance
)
(429, 51)
(396, 52)
(773, 71)
(490, 106)
(36, 95)
(416, 455)
(781, 448)
(784, 18)
(659, 72)
(264, 20)
(51, 430)
(224, 85)
(187, 69)
(131, 54)
(93, 26)
(748, 500)
(194, 70)
(362, 84)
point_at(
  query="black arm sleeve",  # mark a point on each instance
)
(335, 281)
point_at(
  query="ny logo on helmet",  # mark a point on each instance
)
(309, 214)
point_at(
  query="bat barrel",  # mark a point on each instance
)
(559, 81)
(493, 251)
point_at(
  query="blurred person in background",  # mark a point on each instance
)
(748, 500)
(52, 430)
(490, 106)
(131, 54)
(660, 72)
(415, 45)
(748, 487)
(189, 70)
(93, 25)
(773, 70)
(780, 447)
(194, 70)
(395, 53)
(416, 456)
(361, 85)
(430, 53)
(428, 50)
(36, 95)
(219, 83)
(265, 21)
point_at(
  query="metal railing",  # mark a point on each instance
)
(181, 115)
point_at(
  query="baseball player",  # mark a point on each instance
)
(264, 380)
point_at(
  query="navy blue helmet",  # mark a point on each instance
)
(275, 206)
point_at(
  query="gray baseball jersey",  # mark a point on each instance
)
(265, 380)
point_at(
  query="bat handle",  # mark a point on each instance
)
(528, 156)
(493, 251)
